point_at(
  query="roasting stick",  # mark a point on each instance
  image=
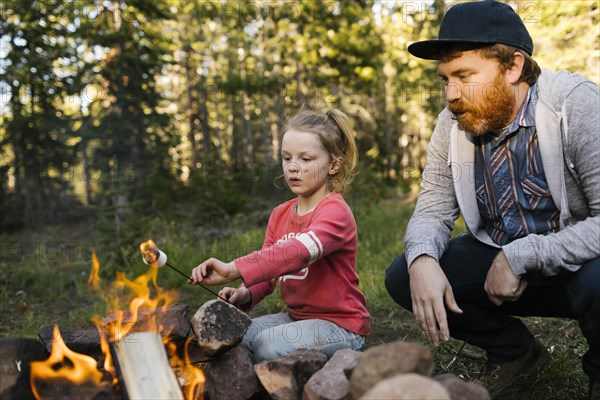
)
(152, 255)
(455, 357)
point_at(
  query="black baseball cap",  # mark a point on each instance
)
(477, 23)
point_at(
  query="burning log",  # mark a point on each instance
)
(172, 321)
(143, 367)
(67, 374)
(84, 340)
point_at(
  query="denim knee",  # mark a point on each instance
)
(264, 349)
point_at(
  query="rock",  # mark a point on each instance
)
(284, 377)
(348, 369)
(330, 382)
(231, 376)
(387, 360)
(461, 390)
(15, 357)
(194, 353)
(407, 387)
(83, 340)
(219, 326)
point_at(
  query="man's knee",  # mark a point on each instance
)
(587, 290)
(397, 282)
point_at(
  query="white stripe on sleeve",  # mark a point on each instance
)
(314, 236)
(312, 244)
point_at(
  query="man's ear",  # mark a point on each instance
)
(513, 73)
(334, 167)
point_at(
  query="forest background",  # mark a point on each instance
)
(127, 120)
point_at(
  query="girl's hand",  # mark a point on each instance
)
(214, 272)
(237, 297)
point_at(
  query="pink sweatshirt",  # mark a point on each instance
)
(314, 258)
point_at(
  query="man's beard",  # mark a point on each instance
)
(492, 113)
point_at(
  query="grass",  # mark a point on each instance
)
(43, 280)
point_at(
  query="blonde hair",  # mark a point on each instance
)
(336, 135)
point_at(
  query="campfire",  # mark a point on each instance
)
(140, 354)
(142, 349)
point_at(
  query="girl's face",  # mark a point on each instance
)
(306, 164)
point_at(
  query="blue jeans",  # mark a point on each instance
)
(275, 335)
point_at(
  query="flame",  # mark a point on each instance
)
(79, 369)
(197, 378)
(192, 375)
(146, 244)
(94, 278)
(104, 347)
(145, 301)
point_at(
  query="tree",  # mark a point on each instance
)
(130, 137)
(37, 143)
(562, 36)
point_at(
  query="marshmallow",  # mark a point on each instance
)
(153, 256)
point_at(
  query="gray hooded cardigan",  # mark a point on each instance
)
(568, 127)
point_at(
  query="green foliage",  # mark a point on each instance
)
(114, 106)
(561, 35)
(36, 139)
(217, 194)
(131, 140)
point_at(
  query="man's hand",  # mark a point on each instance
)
(214, 272)
(237, 297)
(501, 284)
(430, 289)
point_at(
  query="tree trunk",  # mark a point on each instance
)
(301, 88)
(85, 163)
(392, 150)
(120, 200)
(267, 140)
(191, 114)
(204, 126)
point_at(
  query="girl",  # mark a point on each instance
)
(310, 248)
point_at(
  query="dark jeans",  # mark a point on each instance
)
(466, 262)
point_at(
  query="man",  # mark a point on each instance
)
(517, 152)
